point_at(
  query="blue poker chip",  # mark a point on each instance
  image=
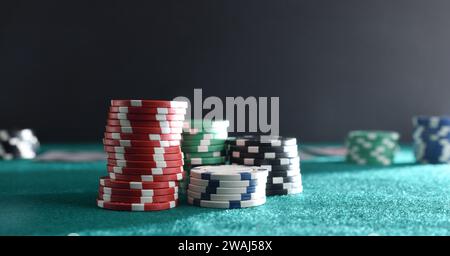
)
(227, 204)
(428, 134)
(226, 184)
(431, 121)
(262, 140)
(431, 143)
(432, 152)
(226, 197)
(221, 190)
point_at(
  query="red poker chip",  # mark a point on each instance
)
(128, 123)
(138, 192)
(144, 171)
(143, 150)
(143, 137)
(145, 157)
(145, 117)
(138, 200)
(107, 182)
(149, 103)
(145, 164)
(136, 207)
(148, 110)
(144, 130)
(141, 143)
(148, 178)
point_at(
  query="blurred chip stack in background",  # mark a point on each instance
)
(432, 139)
(18, 144)
(372, 147)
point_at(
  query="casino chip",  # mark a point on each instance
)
(229, 173)
(431, 136)
(138, 192)
(136, 199)
(145, 157)
(203, 143)
(124, 206)
(277, 154)
(204, 154)
(372, 147)
(141, 110)
(233, 204)
(143, 136)
(143, 130)
(144, 124)
(145, 161)
(145, 117)
(227, 186)
(147, 178)
(18, 144)
(145, 171)
(261, 140)
(143, 150)
(149, 103)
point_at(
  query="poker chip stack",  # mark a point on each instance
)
(145, 161)
(18, 144)
(227, 186)
(431, 137)
(277, 154)
(372, 147)
(203, 143)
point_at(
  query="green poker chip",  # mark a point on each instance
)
(195, 123)
(203, 154)
(206, 160)
(202, 142)
(198, 149)
(205, 136)
(372, 147)
(195, 127)
(373, 135)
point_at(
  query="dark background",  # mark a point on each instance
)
(336, 65)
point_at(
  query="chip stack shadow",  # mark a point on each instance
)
(145, 161)
(203, 143)
(277, 154)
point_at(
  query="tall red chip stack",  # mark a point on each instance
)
(145, 161)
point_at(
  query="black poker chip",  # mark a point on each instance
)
(279, 192)
(257, 161)
(280, 180)
(262, 140)
(267, 155)
(264, 149)
(287, 173)
(286, 185)
(271, 168)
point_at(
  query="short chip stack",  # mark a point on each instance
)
(204, 143)
(277, 154)
(372, 147)
(18, 144)
(432, 139)
(227, 186)
(145, 161)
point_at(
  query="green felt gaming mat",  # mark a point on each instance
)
(339, 199)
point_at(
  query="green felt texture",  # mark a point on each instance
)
(338, 199)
